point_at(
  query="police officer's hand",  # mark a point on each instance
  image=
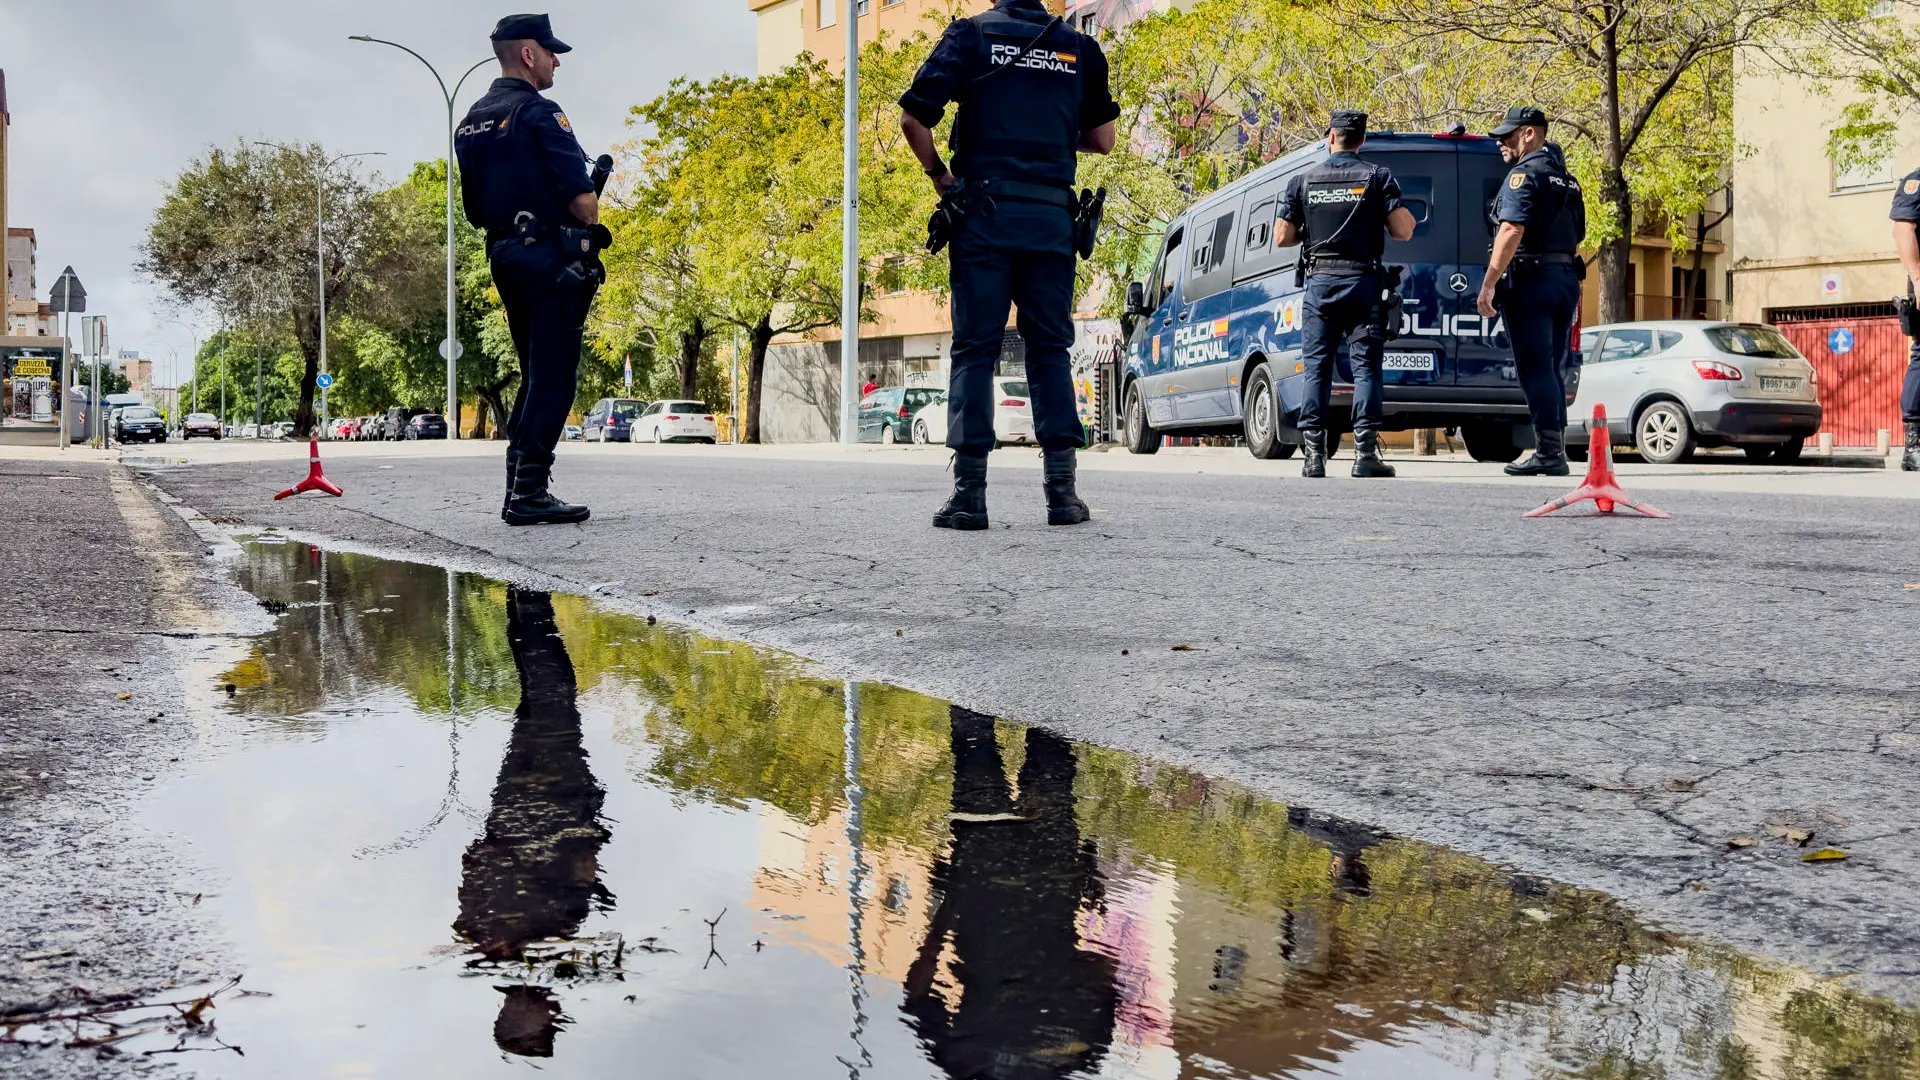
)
(944, 182)
(1487, 310)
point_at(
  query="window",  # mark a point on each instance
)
(1858, 177)
(1588, 340)
(1014, 388)
(1169, 266)
(1627, 345)
(1762, 341)
(1668, 339)
(1212, 254)
(829, 12)
(1260, 227)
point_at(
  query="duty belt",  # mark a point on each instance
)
(1019, 189)
(1545, 258)
(1328, 265)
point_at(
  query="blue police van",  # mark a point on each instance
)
(1213, 338)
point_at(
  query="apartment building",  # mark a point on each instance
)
(1811, 250)
(30, 350)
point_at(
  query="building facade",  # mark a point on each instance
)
(1811, 250)
(32, 359)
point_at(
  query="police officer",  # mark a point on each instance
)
(1906, 240)
(524, 180)
(1032, 93)
(1342, 210)
(1542, 217)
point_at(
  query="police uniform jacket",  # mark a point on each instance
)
(1027, 87)
(518, 152)
(1543, 198)
(1906, 198)
(1342, 205)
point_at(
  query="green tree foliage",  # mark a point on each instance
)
(237, 232)
(263, 368)
(1867, 54)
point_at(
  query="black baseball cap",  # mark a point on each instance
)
(1350, 121)
(1518, 117)
(529, 28)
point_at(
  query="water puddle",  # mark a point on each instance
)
(472, 829)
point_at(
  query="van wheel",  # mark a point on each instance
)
(1141, 437)
(1261, 418)
(1663, 434)
(1489, 442)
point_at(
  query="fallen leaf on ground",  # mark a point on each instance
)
(1912, 586)
(1788, 832)
(124, 696)
(1739, 841)
(1536, 914)
(651, 592)
(1680, 785)
(1183, 648)
(1825, 854)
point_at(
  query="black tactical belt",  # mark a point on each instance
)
(1556, 258)
(1018, 189)
(1322, 266)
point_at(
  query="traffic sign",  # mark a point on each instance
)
(325, 380)
(68, 294)
(1840, 341)
(452, 350)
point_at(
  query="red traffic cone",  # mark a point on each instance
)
(315, 481)
(1600, 485)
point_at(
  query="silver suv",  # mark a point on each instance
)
(1672, 386)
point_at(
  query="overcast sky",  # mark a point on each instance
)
(112, 98)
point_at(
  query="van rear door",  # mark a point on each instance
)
(1484, 353)
(1425, 354)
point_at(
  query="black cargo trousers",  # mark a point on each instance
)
(547, 317)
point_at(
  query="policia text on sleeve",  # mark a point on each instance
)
(1032, 93)
(525, 182)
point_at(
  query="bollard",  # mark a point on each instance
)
(1883, 442)
(1826, 444)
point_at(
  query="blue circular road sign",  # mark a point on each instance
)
(325, 380)
(1840, 341)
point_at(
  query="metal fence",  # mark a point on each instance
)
(1861, 362)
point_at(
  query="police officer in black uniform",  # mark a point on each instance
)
(1542, 217)
(1032, 93)
(1906, 240)
(1342, 210)
(524, 180)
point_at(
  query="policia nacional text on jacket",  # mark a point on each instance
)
(524, 180)
(1032, 93)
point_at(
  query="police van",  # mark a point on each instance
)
(1213, 341)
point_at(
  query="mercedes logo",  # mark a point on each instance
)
(1458, 283)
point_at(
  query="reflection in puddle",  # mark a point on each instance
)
(695, 859)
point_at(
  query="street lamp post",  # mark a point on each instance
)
(450, 348)
(850, 234)
(320, 249)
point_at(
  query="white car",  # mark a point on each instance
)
(1674, 385)
(675, 421)
(1012, 414)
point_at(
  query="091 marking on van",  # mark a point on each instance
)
(1467, 325)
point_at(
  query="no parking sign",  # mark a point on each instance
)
(1840, 341)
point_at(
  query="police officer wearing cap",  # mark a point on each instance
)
(1032, 94)
(1542, 217)
(524, 180)
(1906, 240)
(1342, 210)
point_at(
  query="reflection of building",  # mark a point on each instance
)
(30, 348)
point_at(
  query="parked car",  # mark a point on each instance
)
(886, 413)
(139, 423)
(280, 430)
(1671, 386)
(571, 432)
(425, 426)
(200, 425)
(675, 421)
(611, 419)
(393, 422)
(1012, 414)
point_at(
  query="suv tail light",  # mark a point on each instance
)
(670, 416)
(905, 413)
(708, 419)
(1714, 370)
(1014, 403)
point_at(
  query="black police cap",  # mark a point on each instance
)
(1349, 121)
(529, 28)
(1518, 117)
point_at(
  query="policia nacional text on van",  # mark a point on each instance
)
(1214, 339)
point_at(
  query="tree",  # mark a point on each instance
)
(1869, 47)
(236, 232)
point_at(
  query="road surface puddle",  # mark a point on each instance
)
(471, 829)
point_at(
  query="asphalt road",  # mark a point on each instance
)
(1601, 700)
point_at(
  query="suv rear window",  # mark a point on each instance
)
(1014, 388)
(1762, 341)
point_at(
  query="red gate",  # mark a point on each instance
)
(1860, 388)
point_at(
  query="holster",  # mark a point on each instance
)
(1392, 304)
(1909, 313)
(947, 217)
(1087, 217)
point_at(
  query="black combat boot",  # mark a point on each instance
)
(1366, 455)
(1313, 452)
(967, 509)
(1910, 461)
(1064, 506)
(513, 466)
(1549, 460)
(533, 504)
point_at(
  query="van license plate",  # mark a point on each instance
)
(1406, 361)
(1779, 385)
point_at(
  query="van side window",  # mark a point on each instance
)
(1260, 228)
(1212, 254)
(1169, 266)
(1258, 253)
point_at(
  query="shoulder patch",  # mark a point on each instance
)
(1516, 180)
(1911, 187)
(561, 119)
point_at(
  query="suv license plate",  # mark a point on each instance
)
(1406, 361)
(1779, 385)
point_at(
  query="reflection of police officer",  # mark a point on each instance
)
(1032, 1003)
(1031, 93)
(535, 874)
(1343, 209)
(524, 180)
(1906, 238)
(1542, 217)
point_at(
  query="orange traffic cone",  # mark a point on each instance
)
(1600, 485)
(315, 481)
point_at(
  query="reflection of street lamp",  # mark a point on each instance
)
(320, 247)
(450, 348)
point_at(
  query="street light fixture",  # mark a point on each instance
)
(450, 348)
(320, 248)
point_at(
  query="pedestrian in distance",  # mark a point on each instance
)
(524, 180)
(1906, 240)
(1032, 94)
(1341, 211)
(1533, 276)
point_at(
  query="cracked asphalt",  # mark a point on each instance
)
(1606, 701)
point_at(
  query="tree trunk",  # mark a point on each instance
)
(693, 341)
(306, 330)
(760, 337)
(1696, 287)
(1616, 255)
(493, 398)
